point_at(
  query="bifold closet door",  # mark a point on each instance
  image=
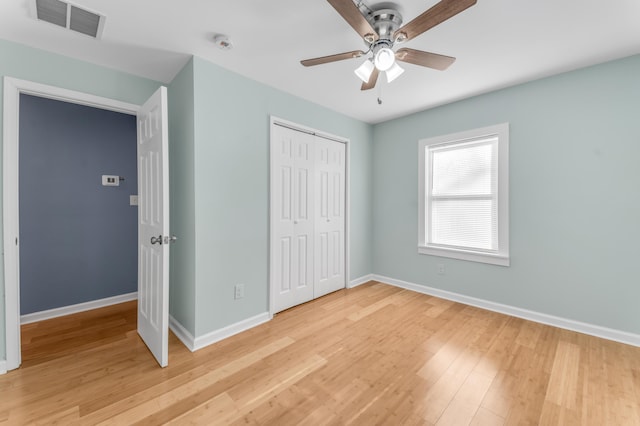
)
(330, 200)
(292, 242)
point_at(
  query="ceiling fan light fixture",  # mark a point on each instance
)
(394, 72)
(384, 59)
(364, 71)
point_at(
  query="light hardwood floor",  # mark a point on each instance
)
(366, 356)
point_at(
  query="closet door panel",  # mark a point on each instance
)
(330, 216)
(292, 198)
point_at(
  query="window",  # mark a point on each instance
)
(464, 195)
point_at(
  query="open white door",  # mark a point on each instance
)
(153, 229)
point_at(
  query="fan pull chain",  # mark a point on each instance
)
(380, 94)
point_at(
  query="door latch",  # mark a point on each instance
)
(171, 239)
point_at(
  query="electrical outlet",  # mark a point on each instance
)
(238, 291)
(441, 269)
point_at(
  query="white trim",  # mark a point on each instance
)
(299, 127)
(568, 324)
(472, 256)
(12, 89)
(347, 213)
(79, 307)
(10, 222)
(359, 281)
(3, 367)
(230, 330)
(501, 257)
(273, 121)
(182, 333)
(196, 343)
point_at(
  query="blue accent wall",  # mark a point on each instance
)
(78, 239)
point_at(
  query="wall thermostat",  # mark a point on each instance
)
(110, 180)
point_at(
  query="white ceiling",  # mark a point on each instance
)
(497, 43)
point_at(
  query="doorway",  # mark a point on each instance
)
(309, 212)
(78, 236)
(152, 123)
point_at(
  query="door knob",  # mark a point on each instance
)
(156, 240)
(171, 239)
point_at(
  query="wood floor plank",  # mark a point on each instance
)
(372, 355)
(563, 383)
(151, 400)
(484, 417)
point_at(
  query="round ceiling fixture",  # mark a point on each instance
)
(223, 42)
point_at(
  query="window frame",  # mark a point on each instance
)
(501, 255)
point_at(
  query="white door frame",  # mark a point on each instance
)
(13, 88)
(275, 121)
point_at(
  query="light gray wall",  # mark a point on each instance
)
(182, 189)
(26, 63)
(231, 186)
(78, 239)
(574, 197)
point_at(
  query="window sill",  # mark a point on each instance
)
(493, 259)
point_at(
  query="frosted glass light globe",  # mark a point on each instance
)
(384, 59)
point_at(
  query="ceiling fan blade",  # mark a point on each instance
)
(372, 80)
(425, 59)
(332, 58)
(440, 12)
(350, 12)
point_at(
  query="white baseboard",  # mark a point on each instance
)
(360, 281)
(74, 309)
(3, 367)
(228, 331)
(195, 343)
(181, 333)
(568, 324)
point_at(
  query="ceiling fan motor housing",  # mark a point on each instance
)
(385, 22)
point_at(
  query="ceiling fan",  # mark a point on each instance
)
(381, 29)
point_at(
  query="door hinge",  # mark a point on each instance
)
(16, 240)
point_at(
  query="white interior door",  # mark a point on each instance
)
(153, 229)
(292, 177)
(330, 216)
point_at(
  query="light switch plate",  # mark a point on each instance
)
(133, 200)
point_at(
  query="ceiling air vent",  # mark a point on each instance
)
(69, 16)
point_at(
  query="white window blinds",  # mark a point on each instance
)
(462, 199)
